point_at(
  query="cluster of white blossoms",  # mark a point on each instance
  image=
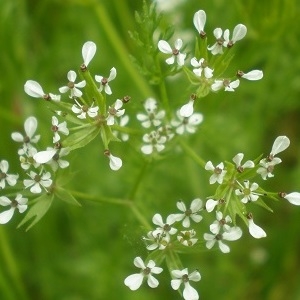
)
(161, 130)
(245, 192)
(89, 113)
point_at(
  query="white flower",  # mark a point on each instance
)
(218, 172)
(187, 124)
(19, 203)
(72, 86)
(27, 160)
(228, 85)
(247, 192)
(164, 47)
(238, 160)
(38, 180)
(83, 110)
(164, 228)
(256, 231)
(183, 276)
(52, 156)
(233, 234)
(201, 68)
(104, 81)
(252, 75)
(34, 89)
(189, 213)
(239, 32)
(293, 198)
(115, 111)
(30, 126)
(58, 127)
(115, 163)
(5, 177)
(186, 237)
(154, 142)
(158, 240)
(220, 223)
(153, 117)
(199, 21)
(217, 47)
(88, 52)
(134, 281)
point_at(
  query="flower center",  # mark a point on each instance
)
(54, 128)
(112, 111)
(247, 191)
(167, 227)
(270, 169)
(14, 203)
(26, 139)
(188, 212)
(147, 271)
(2, 176)
(104, 81)
(85, 108)
(219, 237)
(37, 178)
(175, 51)
(218, 171)
(71, 85)
(185, 278)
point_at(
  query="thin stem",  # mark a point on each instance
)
(192, 153)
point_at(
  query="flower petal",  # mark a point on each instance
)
(134, 281)
(6, 215)
(88, 51)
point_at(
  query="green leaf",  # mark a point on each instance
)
(66, 196)
(37, 210)
(81, 138)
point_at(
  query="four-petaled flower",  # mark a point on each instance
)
(83, 110)
(104, 81)
(72, 86)
(164, 228)
(30, 126)
(19, 203)
(115, 111)
(183, 276)
(220, 223)
(217, 47)
(5, 177)
(218, 172)
(187, 124)
(153, 117)
(164, 47)
(233, 234)
(154, 141)
(134, 281)
(247, 192)
(189, 213)
(58, 127)
(158, 240)
(186, 237)
(228, 85)
(37, 180)
(201, 67)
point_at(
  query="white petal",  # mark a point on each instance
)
(112, 75)
(223, 247)
(187, 109)
(164, 47)
(157, 220)
(217, 33)
(238, 159)
(170, 60)
(30, 126)
(175, 283)
(181, 206)
(17, 137)
(293, 198)
(152, 281)
(33, 89)
(239, 32)
(195, 276)
(4, 201)
(211, 204)
(196, 205)
(6, 215)
(253, 75)
(256, 231)
(138, 262)
(209, 166)
(35, 189)
(280, 144)
(178, 44)
(115, 163)
(189, 293)
(44, 156)
(234, 234)
(147, 149)
(199, 20)
(134, 281)
(71, 76)
(88, 52)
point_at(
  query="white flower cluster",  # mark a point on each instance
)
(88, 113)
(247, 192)
(160, 133)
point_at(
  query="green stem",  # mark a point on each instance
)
(118, 46)
(192, 153)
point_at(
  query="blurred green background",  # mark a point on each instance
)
(85, 253)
